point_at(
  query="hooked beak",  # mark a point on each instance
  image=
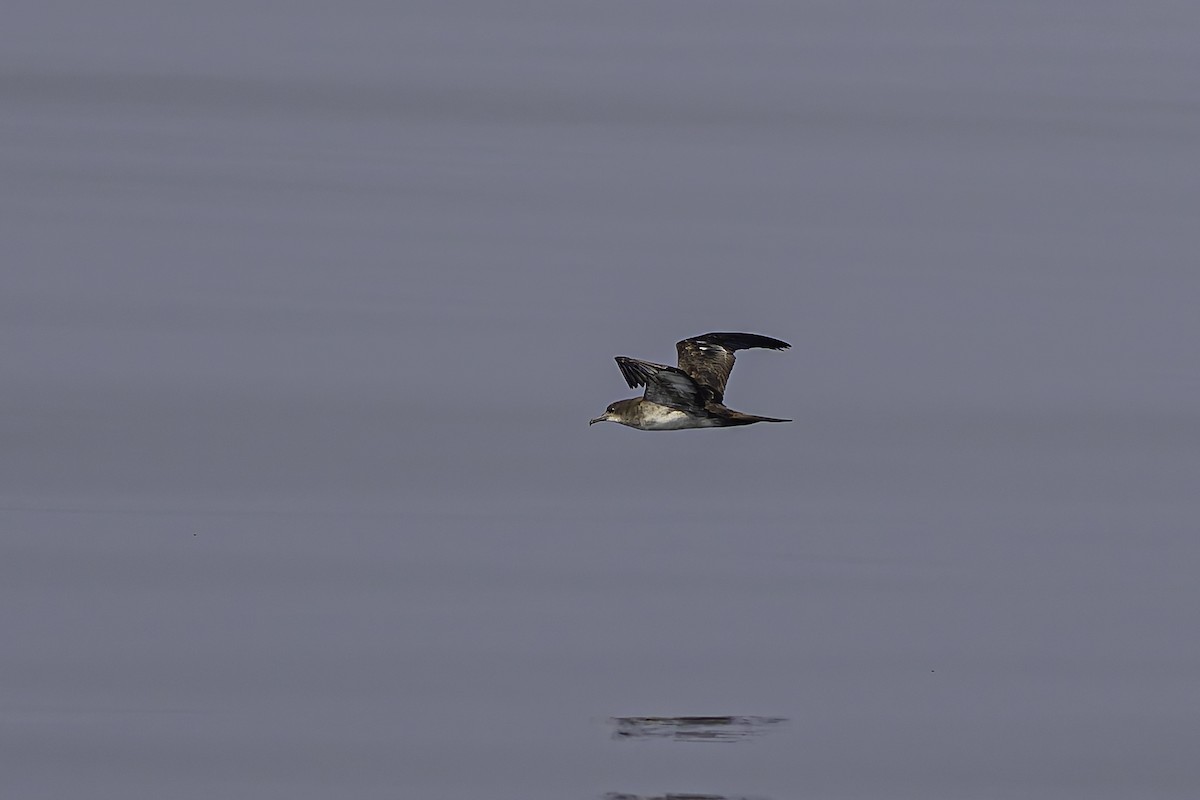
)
(597, 419)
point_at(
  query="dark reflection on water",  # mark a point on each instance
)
(692, 729)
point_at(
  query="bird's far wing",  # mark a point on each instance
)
(708, 359)
(665, 385)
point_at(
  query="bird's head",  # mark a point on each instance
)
(614, 412)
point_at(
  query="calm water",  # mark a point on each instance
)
(304, 314)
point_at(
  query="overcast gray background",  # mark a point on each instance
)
(304, 312)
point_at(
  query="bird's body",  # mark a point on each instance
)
(646, 415)
(692, 394)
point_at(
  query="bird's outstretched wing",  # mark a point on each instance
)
(708, 359)
(665, 385)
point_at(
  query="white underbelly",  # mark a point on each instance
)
(662, 418)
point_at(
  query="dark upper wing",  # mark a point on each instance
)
(664, 385)
(708, 359)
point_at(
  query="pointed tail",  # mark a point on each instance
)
(738, 418)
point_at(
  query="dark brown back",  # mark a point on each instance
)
(709, 359)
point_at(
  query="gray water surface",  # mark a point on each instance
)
(304, 313)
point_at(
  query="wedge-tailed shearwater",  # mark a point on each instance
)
(691, 395)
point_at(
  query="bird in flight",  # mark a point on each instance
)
(691, 395)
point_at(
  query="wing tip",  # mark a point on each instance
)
(741, 341)
(633, 376)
